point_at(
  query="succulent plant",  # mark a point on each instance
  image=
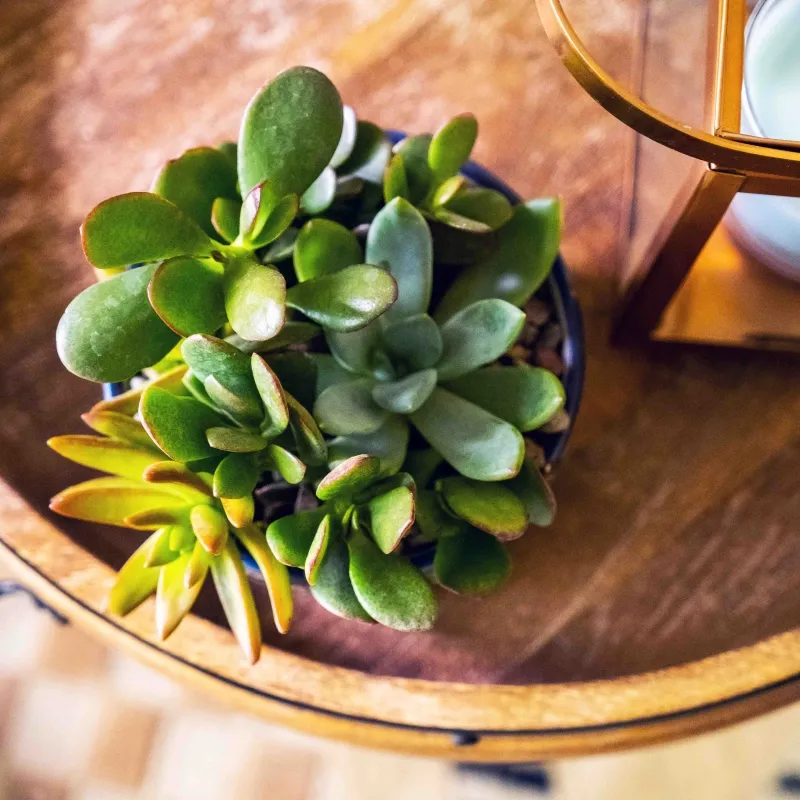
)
(347, 546)
(408, 364)
(193, 533)
(198, 234)
(315, 264)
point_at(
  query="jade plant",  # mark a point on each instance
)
(325, 342)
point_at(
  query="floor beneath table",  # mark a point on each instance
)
(78, 722)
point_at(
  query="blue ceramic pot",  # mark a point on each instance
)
(558, 292)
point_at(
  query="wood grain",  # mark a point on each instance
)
(679, 497)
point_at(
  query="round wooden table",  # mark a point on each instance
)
(663, 600)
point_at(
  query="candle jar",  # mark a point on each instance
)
(712, 93)
(766, 226)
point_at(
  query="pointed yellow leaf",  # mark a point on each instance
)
(237, 600)
(107, 455)
(276, 576)
(210, 527)
(135, 582)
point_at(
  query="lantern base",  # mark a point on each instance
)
(729, 299)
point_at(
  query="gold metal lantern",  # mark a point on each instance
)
(685, 278)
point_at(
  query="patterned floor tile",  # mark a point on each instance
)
(34, 788)
(70, 653)
(274, 770)
(54, 726)
(22, 632)
(97, 791)
(141, 685)
(197, 757)
(124, 744)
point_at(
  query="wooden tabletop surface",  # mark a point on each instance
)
(676, 536)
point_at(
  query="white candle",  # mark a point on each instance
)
(769, 227)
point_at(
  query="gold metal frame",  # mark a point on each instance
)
(734, 163)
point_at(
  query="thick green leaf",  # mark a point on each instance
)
(527, 397)
(319, 546)
(348, 408)
(177, 424)
(492, 507)
(346, 300)
(388, 443)
(207, 355)
(238, 408)
(236, 476)
(275, 574)
(333, 590)
(290, 537)
(391, 516)
(109, 332)
(140, 227)
(197, 566)
(390, 589)
(355, 350)
(535, 492)
(235, 440)
(173, 600)
(370, 154)
(399, 239)
(269, 388)
(237, 601)
(195, 180)
(187, 295)
(178, 478)
(329, 371)
(181, 537)
(475, 442)
(134, 583)
(477, 335)
(210, 527)
(255, 298)
(290, 467)
(347, 141)
(291, 333)
(527, 247)
(256, 209)
(406, 395)
(448, 190)
(225, 215)
(414, 341)
(107, 455)
(414, 152)
(290, 131)
(308, 438)
(240, 511)
(161, 551)
(119, 426)
(432, 519)
(318, 197)
(323, 247)
(110, 501)
(278, 222)
(422, 464)
(155, 518)
(471, 563)
(229, 150)
(451, 146)
(349, 477)
(128, 402)
(297, 373)
(281, 248)
(461, 224)
(395, 183)
(483, 205)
